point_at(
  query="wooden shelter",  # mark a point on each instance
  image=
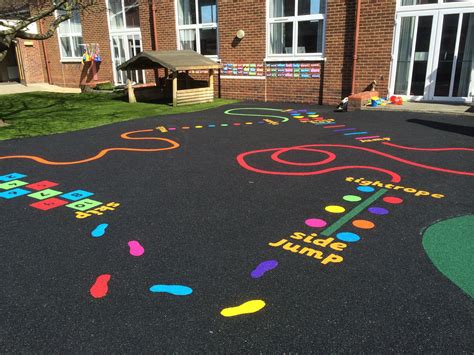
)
(177, 61)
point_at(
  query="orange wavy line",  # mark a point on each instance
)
(126, 135)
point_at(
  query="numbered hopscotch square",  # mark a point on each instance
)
(43, 195)
(12, 184)
(84, 205)
(13, 193)
(77, 195)
(48, 204)
(12, 176)
(45, 184)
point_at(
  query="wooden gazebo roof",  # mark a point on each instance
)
(172, 60)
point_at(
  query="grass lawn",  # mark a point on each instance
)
(43, 113)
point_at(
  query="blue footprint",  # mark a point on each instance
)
(177, 290)
(99, 231)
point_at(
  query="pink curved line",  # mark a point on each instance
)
(241, 160)
(427, 149)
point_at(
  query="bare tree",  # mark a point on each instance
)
(17, 15)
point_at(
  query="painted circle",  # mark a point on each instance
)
(348, 237)
(331, 156)
(378, 210)
(365, 188)
(315, 222)
(351, 198)
(393, 200)
(363, 224)
(334, 209)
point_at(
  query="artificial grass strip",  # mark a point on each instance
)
(43, 113)
(450, 246)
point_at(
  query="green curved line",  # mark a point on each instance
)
(283, 119)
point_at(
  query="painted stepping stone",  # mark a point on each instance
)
(99, 231)
(100, 288)
(263, 267)
(177, 290)
(245, 308)
(135, 248)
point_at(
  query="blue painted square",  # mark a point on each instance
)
(14, 193)
(12, 176)
(77, 195)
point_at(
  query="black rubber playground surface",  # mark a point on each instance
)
(320, 234)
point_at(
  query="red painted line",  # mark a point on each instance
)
(395, 177)
(427, 149)
(341, 125)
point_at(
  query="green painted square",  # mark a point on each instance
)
(12, 184)
(44, 194)
(84, 205)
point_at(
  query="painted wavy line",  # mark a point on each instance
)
(428, 149)
(282, 118)
(102, 153)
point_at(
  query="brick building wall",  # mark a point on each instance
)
(375, 45)
(31, 58)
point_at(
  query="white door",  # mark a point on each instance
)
(433, 57)
(124, 47)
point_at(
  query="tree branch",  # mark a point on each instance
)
(49, 33)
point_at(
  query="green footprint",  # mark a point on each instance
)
(450, 246)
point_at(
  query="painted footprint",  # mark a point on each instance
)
(100, 288)
(245, 308)
(99, 231)
(177, 290)
(263, 267)
(135, 248)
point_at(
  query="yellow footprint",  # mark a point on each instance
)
(245, 308)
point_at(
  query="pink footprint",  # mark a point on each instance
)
(135, 248)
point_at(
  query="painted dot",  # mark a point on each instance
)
(198, 126)
(237, 124)
(348, 237)
(335, 209)
(315, 222)
(378, 210)
(311, 113)
(363, 224)
(393, 200)
(298, 116)
(211, 125)
(171, 129)
(351, 198)
(260, 122)
(312, 116)
(365, 188)
(185, 127)
(224, 124)
(248, 122)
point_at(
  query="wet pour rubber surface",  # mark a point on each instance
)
(199, 213)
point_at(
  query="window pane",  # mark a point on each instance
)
(186, 12)
(63, 26)
(208, 41)
(446, 54)
(66, 50)
(420, 59)
(207, 11)
(418, 2)
(407, 29)
(282, 8)
(116, 14)
(132, 16)
(76, 22)
(187, 38)
(77, 49)
(281, 38)
(310, 37)
(311, 7)
(465, 63)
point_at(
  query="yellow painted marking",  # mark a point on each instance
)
(335, 209)
(248, 122)
(245, 308)
(198, 126)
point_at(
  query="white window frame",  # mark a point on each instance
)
(122, 32)
(197, 27)
(295, 56)
(439, 5)
(70, 34)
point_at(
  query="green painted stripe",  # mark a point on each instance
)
(283, 119)
(352, 213)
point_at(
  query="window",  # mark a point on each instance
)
(296, 28)
(124, 14)
(197, 26)
(70, 36)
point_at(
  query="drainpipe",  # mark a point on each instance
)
(356, 45)
(45, 53)
(155, 36)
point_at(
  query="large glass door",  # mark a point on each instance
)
(124, 47)
(454, 57)
(434, 55)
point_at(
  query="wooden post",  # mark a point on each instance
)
(211, 78)
(175, 88)
(131, 93)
